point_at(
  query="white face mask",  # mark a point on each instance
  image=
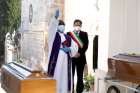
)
(77, 28)
(61, 28)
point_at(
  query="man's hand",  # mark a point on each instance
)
(77, 55)
(57, 13)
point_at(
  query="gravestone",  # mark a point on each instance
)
(35, 19)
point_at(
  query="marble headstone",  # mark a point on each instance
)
(35, 18)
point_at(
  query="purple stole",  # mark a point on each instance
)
(54, 56)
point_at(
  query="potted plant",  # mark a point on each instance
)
(89, 83)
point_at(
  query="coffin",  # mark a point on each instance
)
(19, 79)
(125, 67)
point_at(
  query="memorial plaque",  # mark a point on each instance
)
(34, 49)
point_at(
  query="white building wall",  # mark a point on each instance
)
(124, 27)
(138, 25)
(104, 6)
(116, 26)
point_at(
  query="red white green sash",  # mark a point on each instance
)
(77, 39)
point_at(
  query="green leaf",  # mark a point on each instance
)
(88, 80)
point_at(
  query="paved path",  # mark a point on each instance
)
(1, 90)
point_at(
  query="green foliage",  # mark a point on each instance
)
(88, 80)
(10, 18)
(14, 14)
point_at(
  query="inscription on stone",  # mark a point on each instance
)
(33, 49)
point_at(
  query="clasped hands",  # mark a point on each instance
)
(65, 49)
(77, 55)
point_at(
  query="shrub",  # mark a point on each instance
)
(88, 81)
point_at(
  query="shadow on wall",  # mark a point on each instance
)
(95, 52)
(1, 53)
(1, 60)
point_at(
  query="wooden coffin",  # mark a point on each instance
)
(18, 79)
(125, 67)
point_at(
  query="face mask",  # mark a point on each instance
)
(77, 28)
(61, 28)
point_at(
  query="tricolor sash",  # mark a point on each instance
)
(77, 39)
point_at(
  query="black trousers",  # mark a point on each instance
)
(79, 67)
